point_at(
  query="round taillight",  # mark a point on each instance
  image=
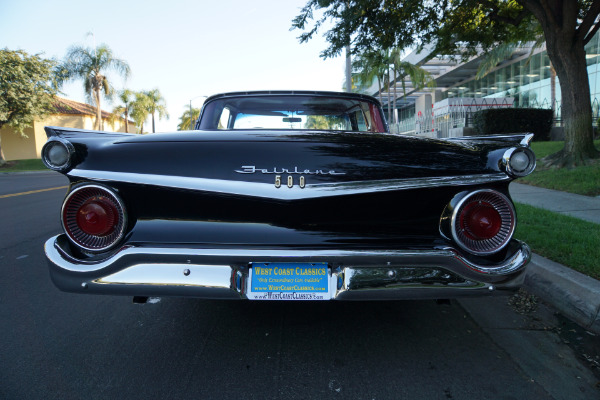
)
(483, 222)
(97, 216)
(93, 217)
(519, 161)
(57, 154)
(480, 221)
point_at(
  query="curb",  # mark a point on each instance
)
(42, 171)
(574, 294)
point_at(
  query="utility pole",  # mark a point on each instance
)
(191, 119)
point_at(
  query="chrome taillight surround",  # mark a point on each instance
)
(514, 164)
(57, 154)
(503, 207)
(72, 205)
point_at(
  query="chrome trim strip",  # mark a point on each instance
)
(266, 190)
(527, 139)
(131, 256)
(208, 276)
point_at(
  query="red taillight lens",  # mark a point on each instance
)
(480, 221)
(93, 217)
(483, 222)
(97, 216)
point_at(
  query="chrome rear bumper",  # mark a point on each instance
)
(224, 273)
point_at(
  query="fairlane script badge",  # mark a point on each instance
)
(251, 169)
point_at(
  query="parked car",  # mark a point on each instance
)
(287, 195)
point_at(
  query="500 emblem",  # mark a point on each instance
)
(290, 181)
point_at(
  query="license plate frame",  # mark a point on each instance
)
(289, 281)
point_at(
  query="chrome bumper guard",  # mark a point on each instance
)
(224, 273)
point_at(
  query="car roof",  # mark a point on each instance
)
(357, 96)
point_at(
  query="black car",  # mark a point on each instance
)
(287, 195)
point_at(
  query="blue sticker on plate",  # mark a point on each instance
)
(290, 277)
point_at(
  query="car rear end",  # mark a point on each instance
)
(287, 214)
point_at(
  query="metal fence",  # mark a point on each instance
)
(460, 115)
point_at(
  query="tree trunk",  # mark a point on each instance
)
(2, 159)
(566, 52)
(126, 120)
(98, 110)
(576, 106)
(153, 130)
(553, 90)
(379, 84)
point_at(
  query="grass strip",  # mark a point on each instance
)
(583, 180)
(561, 238)
(34, 164)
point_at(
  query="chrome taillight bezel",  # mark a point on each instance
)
(508, 215)
(68, 148)
(509, 156)
(92, 243)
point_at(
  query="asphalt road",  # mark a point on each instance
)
(56, 345)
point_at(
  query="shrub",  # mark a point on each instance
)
(514, 120)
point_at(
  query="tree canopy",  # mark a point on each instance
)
(184, 121)
(467, 27)
(139, 111)
(124, 110)
(156, 105)
(461, 27)
(27, 89)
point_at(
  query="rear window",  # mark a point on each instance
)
(297, 112)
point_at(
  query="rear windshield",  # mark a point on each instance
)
(292, 113)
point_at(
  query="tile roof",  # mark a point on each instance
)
(66, 106)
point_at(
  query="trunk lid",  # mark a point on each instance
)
(259, 156)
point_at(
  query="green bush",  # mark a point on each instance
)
(514, 120)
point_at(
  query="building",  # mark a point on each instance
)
(525, 79)
(67, 113)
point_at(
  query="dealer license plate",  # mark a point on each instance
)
(289, 281)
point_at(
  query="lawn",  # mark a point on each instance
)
(583, 180)
(23, 165)
(561, 238)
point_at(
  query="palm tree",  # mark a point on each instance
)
(156, 104)
(139, 110)
(185, 121)
(402, 69)
(372, 65)
(91, 65)
(126, 109)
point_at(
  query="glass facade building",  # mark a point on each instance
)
(529, 81)
(527, 78)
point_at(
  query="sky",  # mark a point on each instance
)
(186, 49)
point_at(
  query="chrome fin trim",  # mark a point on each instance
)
(266, 190)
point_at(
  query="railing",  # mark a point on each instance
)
(461, 115)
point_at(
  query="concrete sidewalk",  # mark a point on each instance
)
(575, 205)
(575, 295)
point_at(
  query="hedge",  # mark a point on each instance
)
(514, 120)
